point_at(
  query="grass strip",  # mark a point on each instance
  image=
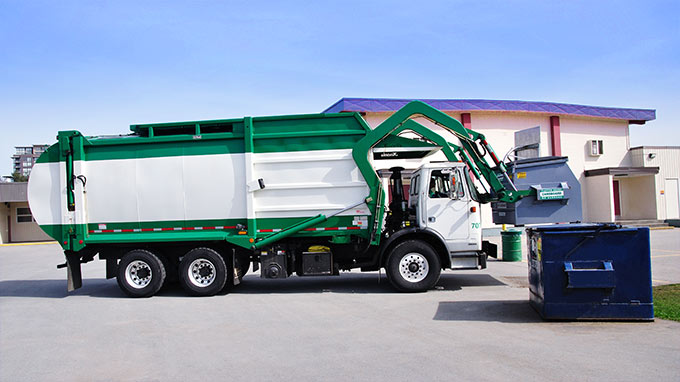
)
(667, 302)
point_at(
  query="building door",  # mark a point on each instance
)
(617, 199)
(672, 198)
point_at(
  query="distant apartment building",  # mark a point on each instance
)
(25, 157)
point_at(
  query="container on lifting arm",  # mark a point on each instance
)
(556, 197)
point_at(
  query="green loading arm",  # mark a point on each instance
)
(472, 151)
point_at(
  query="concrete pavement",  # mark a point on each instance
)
(476, 325)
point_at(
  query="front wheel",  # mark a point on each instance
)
(202, 272)
(413, 266)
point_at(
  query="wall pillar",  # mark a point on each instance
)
(555, 141)
(466, 120)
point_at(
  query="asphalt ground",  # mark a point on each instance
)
(476, 325)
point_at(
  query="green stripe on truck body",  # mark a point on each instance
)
(208, 231)
(270, 134)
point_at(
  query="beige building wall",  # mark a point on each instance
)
(4, 230)
(25, 231)
(576, 132)
(667, 159)
(600, 195)
(632, 205)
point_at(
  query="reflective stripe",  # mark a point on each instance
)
(164, 229)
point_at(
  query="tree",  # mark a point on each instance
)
(19, 178)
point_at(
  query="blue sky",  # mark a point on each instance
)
(99, 66)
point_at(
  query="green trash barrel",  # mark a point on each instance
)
(512, 245)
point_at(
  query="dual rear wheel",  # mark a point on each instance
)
(202, 272)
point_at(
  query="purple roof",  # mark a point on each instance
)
(638, 116)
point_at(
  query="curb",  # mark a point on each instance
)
(32, 243)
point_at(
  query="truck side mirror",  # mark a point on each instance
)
(453, 186)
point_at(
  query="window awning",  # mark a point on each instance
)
(623, 171)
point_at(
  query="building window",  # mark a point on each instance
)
(24, 215)
(596, 148)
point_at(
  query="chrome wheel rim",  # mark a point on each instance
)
(201, 273)
(138, 274)
(414, 267)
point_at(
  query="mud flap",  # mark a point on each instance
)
(234, 268)
(490, 249)
(111, 268)
(75, 279)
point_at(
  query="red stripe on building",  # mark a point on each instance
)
(555, 140)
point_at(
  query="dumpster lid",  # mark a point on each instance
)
(576, 227)
(540, 161)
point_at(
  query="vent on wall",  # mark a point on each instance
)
(596, 148)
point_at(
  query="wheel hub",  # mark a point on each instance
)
(201, 272)
(414, 267)
(138, 274)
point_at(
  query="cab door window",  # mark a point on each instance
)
(439, 185)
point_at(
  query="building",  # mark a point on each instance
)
(16, 221)
(667, 184)
(25, 157)
(595, 139)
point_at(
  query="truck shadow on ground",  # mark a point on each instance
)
(366, 283)
(369, 283)
(507, 311)
(57, 288)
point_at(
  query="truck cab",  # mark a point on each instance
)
(443, 205)
(439, 203)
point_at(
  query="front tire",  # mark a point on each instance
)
(140, 273)
(413, 266)
(202, 272)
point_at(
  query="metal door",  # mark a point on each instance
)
(617, 198)
(672, 198)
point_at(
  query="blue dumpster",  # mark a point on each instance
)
(590, 271)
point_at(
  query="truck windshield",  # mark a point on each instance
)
(473, 190)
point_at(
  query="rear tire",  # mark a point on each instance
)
(413, 266)
(140, 273)
(202, 272)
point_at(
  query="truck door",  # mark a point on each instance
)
(445, 209)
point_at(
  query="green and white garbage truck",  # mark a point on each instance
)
(201, 201)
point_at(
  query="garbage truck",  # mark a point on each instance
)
(200, 202)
